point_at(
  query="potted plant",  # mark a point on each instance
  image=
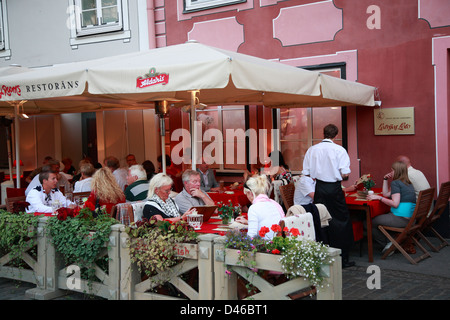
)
(80, 237)
(286, 253)
(154, 244)
(228, 211)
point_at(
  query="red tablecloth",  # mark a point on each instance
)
(49, 214)
(376, 207)
(237, 196)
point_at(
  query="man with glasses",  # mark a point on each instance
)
(192, 195)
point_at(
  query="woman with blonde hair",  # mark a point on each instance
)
(263, 212)
(400, 197)
(105, 191)
(159, 204)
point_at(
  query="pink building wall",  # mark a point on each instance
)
(401, 47)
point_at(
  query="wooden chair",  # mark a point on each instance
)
(439, 208)
(15, 192)
(403, 235)
(287, 195)
(16, 204)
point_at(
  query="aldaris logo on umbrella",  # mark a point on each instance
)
(152, 78)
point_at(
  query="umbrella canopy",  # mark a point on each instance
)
(183, 74)
(137, 80)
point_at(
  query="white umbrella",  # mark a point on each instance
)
(174, 74)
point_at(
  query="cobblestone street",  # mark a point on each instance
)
(395, 285)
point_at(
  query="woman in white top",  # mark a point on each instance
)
(264, 212)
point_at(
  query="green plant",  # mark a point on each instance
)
(79, 237)
(153, 244)
(228, 211)
(368, 182)
(17, 232)
(299, 257)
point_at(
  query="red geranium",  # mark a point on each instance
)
(294, 232)
(89, 205)
(263, 231)
(275, 228)
(275, 251)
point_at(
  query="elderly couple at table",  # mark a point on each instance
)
(263, 211)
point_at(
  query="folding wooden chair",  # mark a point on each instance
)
(287, 195)
(423, 205)
(439, 208)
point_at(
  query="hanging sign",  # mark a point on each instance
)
(394, 121)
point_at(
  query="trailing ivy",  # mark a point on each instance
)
(17, 232)
(152, 245)
(80, 238)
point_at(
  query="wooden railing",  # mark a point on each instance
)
(53, 276)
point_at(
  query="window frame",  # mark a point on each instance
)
(222, 147)
(207, 4)
(95, 34)
(5, 51)
(310, 114)
(100, 28)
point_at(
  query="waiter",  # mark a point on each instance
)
(329, 164)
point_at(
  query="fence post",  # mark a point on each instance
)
(129, 275)
(332, 286)
(206, 266)
(114, 262)
(225, 284)
(48, 271)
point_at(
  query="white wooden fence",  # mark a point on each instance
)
(122, 281)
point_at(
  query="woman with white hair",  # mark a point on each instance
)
(263, 212)
(159, 204)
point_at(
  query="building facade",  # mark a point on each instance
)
(400, 47)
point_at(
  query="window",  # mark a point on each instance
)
(196, 5)
(5, 52)
(301, 128)
(228, 123)
(98, 16)
(98, 20)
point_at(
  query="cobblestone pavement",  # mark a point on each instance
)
(395, 285)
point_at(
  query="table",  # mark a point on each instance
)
(237, 196)
(371, 208)
(215, 222)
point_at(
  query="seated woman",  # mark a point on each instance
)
(279, 170)
(159, 204)
(402, 202)
(105, 191)
(263, 212)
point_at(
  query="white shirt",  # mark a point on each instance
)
(121, 177)
(41, 202)
(62, 181)
(418, 180)
(304, 186)
(83, 185)
(326, 161)
(262, 214)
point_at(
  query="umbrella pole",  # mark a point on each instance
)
(16, 137)
(162, 126)
(194, 132)
(8, 146)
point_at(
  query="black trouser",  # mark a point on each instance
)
(340, 231)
